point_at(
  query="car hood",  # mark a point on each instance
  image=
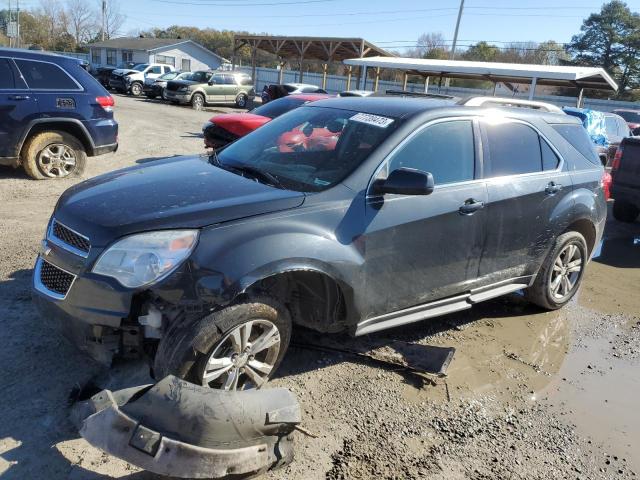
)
(179, 192)
(239, 123)
(124, 71)
(178, 83)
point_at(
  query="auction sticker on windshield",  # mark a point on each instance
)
(375, 120)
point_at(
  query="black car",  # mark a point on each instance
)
(394, 210)
(53, 114)
(154, 87)
(625, 186)
(103, 74)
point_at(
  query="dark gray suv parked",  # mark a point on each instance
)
(355, 214)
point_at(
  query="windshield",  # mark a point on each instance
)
(630, 116)
(168, 76)
(198, 76)
(278, 107)
(310, 148)
(140, 67)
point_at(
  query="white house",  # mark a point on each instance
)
(181, 54)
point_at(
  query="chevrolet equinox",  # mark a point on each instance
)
(349, 214)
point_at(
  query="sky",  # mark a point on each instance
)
(389, 23)
(392, 24)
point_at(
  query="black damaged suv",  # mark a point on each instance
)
(355, 214)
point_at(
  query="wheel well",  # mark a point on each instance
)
(314, 299)
(587, 229)
(67, 127)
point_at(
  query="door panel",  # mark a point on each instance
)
(17, 107)
(421, 248)
(528, 198)
(215, 92)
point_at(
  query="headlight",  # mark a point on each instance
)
(145, 258)
(183, 89)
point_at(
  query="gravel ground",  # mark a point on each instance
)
(529, 394)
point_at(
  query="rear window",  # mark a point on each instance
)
(578, 138)
(278, 107)
(45, 76)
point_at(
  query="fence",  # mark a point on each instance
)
(79, 56)
(338, 83)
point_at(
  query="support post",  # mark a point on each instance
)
(376, 79)
(426, 84)
(363, 77)
(325, 66)
(254, 53)
(495, 85)
(532, 89)
(301, 74)
(349, 72)
(281, 73)
(405, 80)
(580, 98)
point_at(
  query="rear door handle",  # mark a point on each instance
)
(553, 187)
(470, 207)
(18, 97)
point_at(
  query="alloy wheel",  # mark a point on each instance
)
(198, 102)
(136, 89)
(566, 272)
(56, 160)
(244, 357)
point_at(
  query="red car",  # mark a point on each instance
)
(223, 129)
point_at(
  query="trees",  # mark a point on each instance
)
(610, 39)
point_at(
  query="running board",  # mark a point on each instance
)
(441, 307)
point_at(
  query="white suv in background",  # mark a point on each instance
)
(132, 79)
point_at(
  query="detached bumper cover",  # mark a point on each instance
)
(179, 429)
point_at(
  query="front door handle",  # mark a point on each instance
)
(18, 97)
(470, 206)
(553, 187)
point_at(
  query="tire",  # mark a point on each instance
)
(541, 292)
(48, 155)
(163, 95)
(241, 100)
(197, 101)
(188, 345)
(625, 211)
(136, 89)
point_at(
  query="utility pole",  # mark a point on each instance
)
(9, 24)
(452, 55)
(18, 24)
(104, 16)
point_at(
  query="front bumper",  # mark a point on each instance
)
(177, 97)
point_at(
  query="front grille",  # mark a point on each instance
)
(55, 279)
(69, 237)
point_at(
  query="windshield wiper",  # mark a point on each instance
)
(259, 174)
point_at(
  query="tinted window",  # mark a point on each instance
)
(578, 138)
(514, 149)
(229, 80)
(550, 160)
(278, 107)
(7, 79)
(289, 88)
(245, 81)
(155, 70)
(446, 150)
(217, 80)
(633, 117)
(45, 75)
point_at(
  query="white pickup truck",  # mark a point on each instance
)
(132, 79)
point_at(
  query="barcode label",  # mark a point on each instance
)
(375, 120)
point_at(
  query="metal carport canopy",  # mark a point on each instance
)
(560, 76)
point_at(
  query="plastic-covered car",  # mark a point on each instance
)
(605, 129)
(228, 127)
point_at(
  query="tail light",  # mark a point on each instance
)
(615, 165)
(106, 102)
(606, 184)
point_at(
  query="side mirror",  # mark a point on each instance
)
(406, 181)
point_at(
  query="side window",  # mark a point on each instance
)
(446, 150)
(156, 70)
(229, 80)
(550, 160)
(513, 149)
(7, 79)
(578, 138)
(217, 80)
(48, 76)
